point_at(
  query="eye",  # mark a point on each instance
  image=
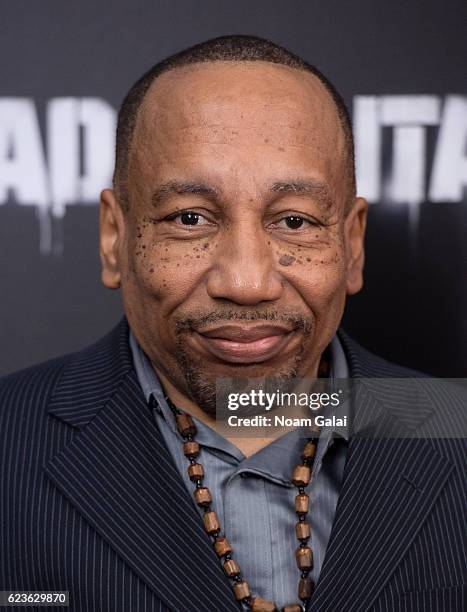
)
(293, 222)
(188, 218)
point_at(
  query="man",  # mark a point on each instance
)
(234, 232)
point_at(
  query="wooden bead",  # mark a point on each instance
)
(241, 590)
(191, 449)
(262, 605)
(305, 588)
(195, 472)
(292, 608)
(302, 503)
(304, 557)
(203, 496)
(211, 522)
(302, 530)
(222, 547)
(231, 568)
(185, 424)
(301, 475)
(309, 451)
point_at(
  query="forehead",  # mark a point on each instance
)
(228, 108)
(253, 92)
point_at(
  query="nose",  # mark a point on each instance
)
(245, 272)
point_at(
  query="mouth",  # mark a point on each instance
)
(241, 344)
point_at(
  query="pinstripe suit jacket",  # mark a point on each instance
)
(91, 501)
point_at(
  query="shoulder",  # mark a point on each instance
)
(24, 399)
(35, 386)
(33, 381)
(431, 408)
(365, 364)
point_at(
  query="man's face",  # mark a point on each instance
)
(235, 255)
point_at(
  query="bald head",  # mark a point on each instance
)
(188, 74)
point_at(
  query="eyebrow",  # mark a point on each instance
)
(311, 187)
(164, 191)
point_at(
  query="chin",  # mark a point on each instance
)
(286, 369)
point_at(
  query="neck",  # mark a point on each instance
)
(247, 445)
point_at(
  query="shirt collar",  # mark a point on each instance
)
(152, 387)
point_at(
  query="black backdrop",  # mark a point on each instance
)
(413, 308)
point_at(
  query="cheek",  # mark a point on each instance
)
(163, 271)
(318, 275)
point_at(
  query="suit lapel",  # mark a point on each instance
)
(390, 484)
(389, 487)
(119, 475)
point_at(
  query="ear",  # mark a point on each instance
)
(355, 225)
(111, 238)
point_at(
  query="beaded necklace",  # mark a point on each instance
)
(301, 477)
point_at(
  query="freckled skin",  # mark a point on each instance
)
(238, 128)
(286, 260)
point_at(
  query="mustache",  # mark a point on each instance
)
(197, 321)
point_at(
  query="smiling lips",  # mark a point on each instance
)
(245, 344)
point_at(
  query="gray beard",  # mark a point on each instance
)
(211, 396)
(203, 388)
